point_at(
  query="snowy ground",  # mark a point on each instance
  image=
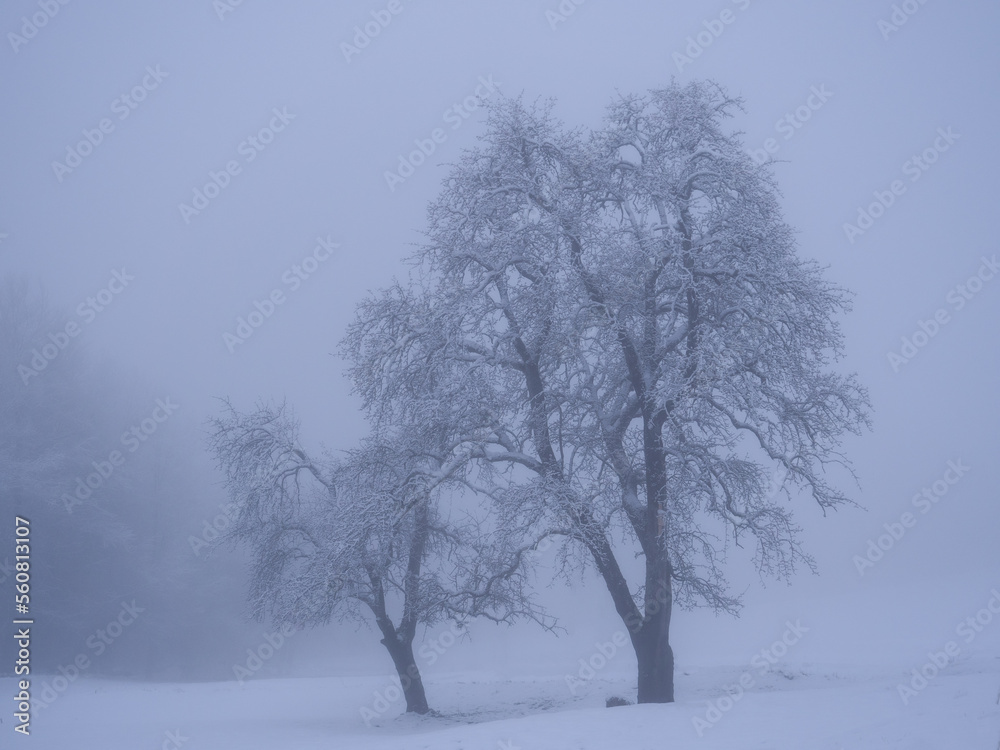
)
(819, 672)
(806, 707)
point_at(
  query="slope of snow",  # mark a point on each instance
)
(821, 708)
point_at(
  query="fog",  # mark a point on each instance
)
(304, 131)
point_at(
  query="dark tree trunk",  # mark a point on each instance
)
(656, 669)
(399, 641)
(653, 651)
(409, 675)
(649, 629)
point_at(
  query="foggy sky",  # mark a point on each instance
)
(218, 81)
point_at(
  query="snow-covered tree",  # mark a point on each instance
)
(647, 348)
(368, 536)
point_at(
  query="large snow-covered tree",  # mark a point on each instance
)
(647, 345)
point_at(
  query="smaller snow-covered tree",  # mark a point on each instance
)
(369, 536)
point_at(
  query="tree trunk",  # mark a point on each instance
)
(649, 629)
(399, 644)
(653, 651)
(652, 646)
(409, 675)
